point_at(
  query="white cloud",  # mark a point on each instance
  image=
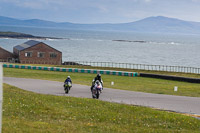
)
(102, 8)
(147, 0)
(196, 0)
(35, 4)
(32, 4)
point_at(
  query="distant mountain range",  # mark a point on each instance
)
(157, 24)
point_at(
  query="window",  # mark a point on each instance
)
(53, 55)
(41, 54)
(28, 54)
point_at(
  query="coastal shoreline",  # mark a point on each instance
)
(16, 35)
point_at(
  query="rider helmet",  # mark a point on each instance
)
(68, 76)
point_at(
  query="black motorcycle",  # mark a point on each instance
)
(67, 86)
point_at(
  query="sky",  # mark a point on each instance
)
(99, 11)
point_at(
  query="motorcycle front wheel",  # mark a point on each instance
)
(93, 94)
(66, 90)
(97, 95)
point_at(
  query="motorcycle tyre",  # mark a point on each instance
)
(93, 94)
(97, 95)
(66, 90)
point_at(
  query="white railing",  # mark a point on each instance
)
(182, 69)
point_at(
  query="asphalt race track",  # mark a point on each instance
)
(182, 104)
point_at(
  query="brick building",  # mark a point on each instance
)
(34, 52)
(6, 56)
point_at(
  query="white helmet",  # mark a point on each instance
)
(68, 76)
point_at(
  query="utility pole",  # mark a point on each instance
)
(1, 95)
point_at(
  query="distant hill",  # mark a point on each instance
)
(157, 24)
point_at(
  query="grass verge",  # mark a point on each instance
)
(191, 75)
(149, 85)
(29, 112)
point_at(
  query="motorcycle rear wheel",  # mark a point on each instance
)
(66, 90)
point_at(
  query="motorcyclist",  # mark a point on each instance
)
(98, 77)
(68, 80)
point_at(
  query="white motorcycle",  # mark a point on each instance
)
(96, 90)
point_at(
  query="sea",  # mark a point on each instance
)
(115, 46)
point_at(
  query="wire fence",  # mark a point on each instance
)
(166, 68)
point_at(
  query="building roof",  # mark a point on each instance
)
(26, 45)
(1, 49)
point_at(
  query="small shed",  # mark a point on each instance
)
(35, 52)
(6, 56)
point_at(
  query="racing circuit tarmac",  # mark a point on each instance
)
(182, 104)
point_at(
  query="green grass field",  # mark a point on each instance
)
(27, 112)
(120, 69)
(149, 85)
